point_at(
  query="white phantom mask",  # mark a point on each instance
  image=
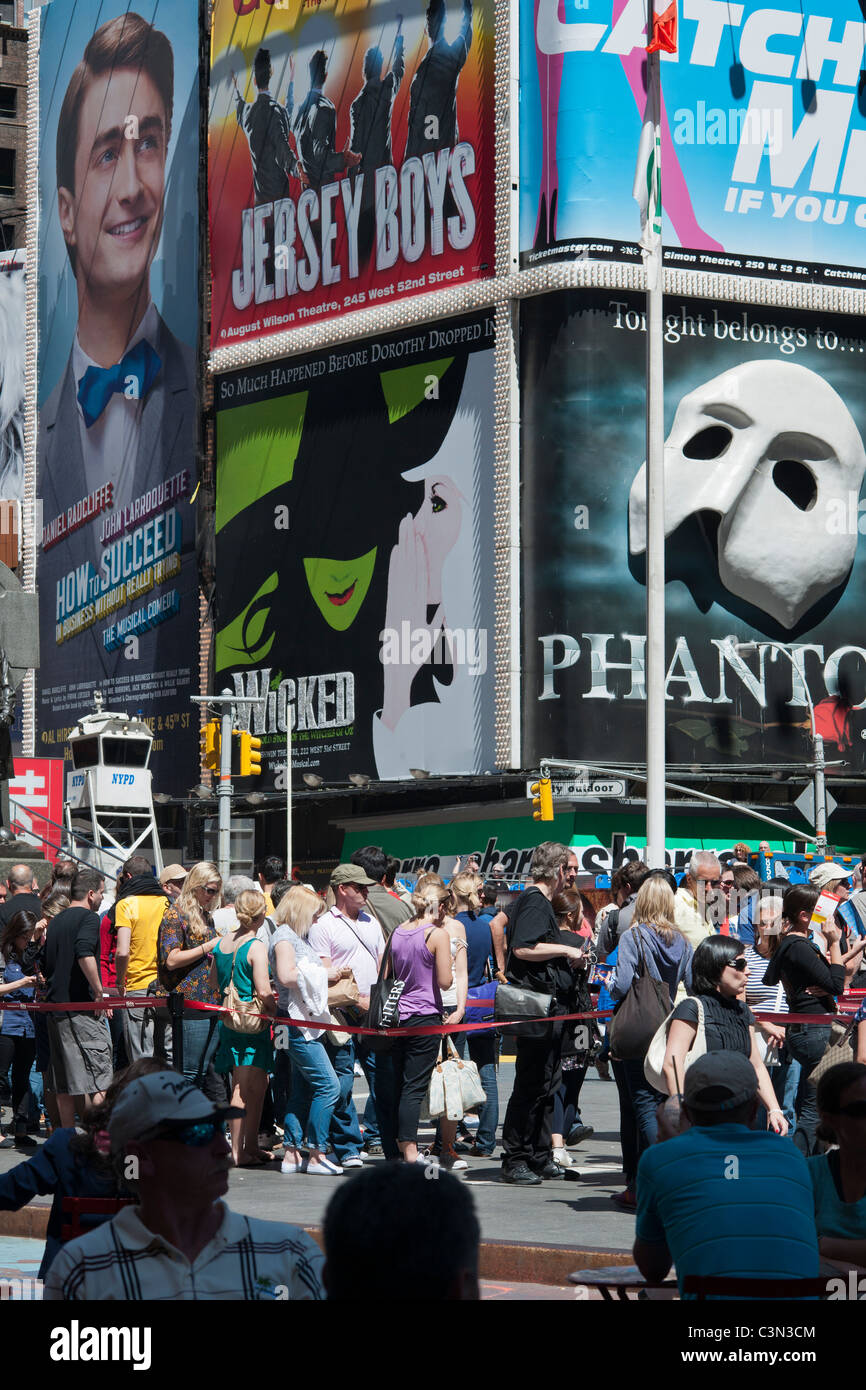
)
(773, 450)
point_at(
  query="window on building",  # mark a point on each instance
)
(8, 102)
(7, 172)
(7, 11)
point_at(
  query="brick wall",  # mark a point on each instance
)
(13, 129)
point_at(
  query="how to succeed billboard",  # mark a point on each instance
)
(763, 128)
(765, 558)
(118, 311)
(351, 157)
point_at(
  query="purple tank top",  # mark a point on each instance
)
(415, 966)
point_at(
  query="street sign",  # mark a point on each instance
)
(585, 788)
(805, 803)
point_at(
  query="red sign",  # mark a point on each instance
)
(36, 802)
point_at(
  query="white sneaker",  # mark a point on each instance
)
(452, 1162)
(323, 1167)
(562, 1157)
(353, 1161)
(292, 1165)
(427, 1160)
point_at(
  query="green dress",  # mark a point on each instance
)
(240, 1049)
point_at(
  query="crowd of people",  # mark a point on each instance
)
(681, 968)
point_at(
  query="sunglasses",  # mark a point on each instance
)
(740, 963)
(856, 1110)
(195, 1136)
(210, 891)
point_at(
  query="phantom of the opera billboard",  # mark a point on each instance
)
(351, 158)
(118, 311)
(763, 136)
(765, 420)
(355, 554)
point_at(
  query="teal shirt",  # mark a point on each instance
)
(833, 1217)
(729, 1201)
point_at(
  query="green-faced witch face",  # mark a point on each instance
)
(340, 587)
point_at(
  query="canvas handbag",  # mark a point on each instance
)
(642, 1011)
(654, 1060)
(242, 1013)
(839, 1049)
(455, 1086)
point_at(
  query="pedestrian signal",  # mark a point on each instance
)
(251, 757)
(542, 799)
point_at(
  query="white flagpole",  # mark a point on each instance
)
(655, 519)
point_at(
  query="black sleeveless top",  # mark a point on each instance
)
(726, 1021)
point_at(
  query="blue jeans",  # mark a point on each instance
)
(643, 1099)
(200, 1040)
(314, 1094)
(346, 1137)
(786, 1081)
(482, 1051)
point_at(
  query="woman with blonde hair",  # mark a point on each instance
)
(302, 986)
(466, 892)
(241, 959)
(187, 938)
(654, 945)
(420, 956)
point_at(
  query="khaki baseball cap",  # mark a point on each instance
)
(825, 874)
(165, 1098)
(172, 873)
(351, 873)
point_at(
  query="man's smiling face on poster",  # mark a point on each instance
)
(113, 216)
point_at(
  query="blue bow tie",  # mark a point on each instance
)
(139, 368)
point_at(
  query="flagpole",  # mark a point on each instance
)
(655, 520)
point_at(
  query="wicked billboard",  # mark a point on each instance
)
(764, 462)
(355, 553)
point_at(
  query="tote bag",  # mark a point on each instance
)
(654, 1061)
(642, 1011)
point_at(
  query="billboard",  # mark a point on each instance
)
(12, 334)
(118, 314)
(765, 563)
(763, 136)
(354, 553)
(36, 798)
(351, 157)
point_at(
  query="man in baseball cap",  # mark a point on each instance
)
(348, 938)
(722, 1198)
(181, 1242)
(832, 877)
(172, 880)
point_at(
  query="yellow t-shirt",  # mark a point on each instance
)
(142, 916)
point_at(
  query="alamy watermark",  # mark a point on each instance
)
(716, 125)
(446, 646)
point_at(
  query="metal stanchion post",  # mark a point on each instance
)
(175, 1011)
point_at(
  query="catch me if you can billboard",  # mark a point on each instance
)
(763, 129)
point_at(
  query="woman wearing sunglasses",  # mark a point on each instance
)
(187, 939)
(719, 974)
(839, 1177)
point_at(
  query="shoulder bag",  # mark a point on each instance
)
(455, 1086)
(513, 1002)
(242, 1015)
(384, 998)
(839, 1049)
(654, 1061)
(642, 1011)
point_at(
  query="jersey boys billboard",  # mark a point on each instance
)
(351, 157)
(117, 388)
(355, 553)
(763, 135)
(765, 557)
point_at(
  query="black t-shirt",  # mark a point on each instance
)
(727, 1022)
(19, 902)
(798, 963)
(73, 933)
(533, 920)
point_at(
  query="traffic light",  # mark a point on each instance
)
(251, 758)
(542, 799)
(210, 744)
